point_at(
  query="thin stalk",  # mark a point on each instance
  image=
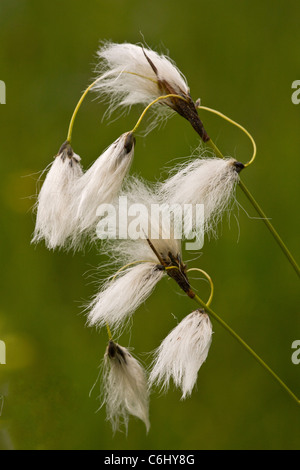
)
(69, 136)
(108, 332)
(261, 213)
(242, 128)
(267, 222)
(246, 347)
(71, 124)
(164, 97)
(210, 283)
(86, 91)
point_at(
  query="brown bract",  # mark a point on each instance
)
(185, 107)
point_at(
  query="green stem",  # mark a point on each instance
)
(267, 222)
(108, 332)
(215, 149)
(246, 347)
(261, 213)
(69, 136)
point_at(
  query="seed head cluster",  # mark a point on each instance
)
(67, 217)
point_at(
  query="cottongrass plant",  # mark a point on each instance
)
(156, 253)
(144, 259)
(131, 74)
(124, 387)
(67, 211)
(68, 201)
(119, 298)
(54, 220)
(101, 183)
(207, 181)
(182, 353)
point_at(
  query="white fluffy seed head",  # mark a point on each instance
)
(124, 389)
(54, 220)
(207, 181)
(101, 183)
(182, 353)
(120, 297)
(132, 74)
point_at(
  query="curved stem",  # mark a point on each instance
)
(69, 137)
(261, 213)
(210, 283)
(223, 116)
(128, 265)
(164, 97)
(246, 347)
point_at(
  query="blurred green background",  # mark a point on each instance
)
(240, 58)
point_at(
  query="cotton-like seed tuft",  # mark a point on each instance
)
(131, 74)
(182, 353)
(207, 181)
(120, 297)
(124, 389)
(101, 183)
(54, 219)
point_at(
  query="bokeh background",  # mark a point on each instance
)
(239, 57)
